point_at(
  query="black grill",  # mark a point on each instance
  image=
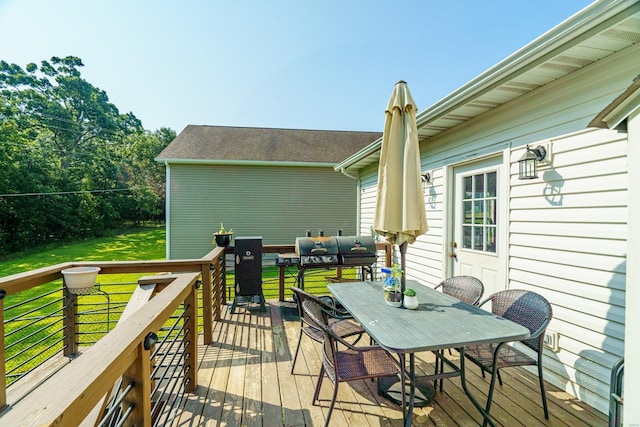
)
(356, 250)
(324, 252)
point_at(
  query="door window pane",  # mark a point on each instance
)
(467, 212)
(467, 183)
(490, 213)
(478, 181)
(491, 240)
(477, 238)
(466, 237)
(491, 184)
(478, 212)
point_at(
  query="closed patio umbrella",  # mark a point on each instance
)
(400, 214)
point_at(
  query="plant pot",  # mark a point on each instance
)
(80, 279)
(394, 299)
(410, 302)
(222, 239)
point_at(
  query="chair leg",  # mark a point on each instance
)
(333, 402)
(442, 370)
(499, 377)
(542, 392)
(318, 385)
(295, 357)
(437, 368)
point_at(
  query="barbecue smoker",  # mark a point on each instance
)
(340, 251)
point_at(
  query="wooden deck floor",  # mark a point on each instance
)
(245, 380)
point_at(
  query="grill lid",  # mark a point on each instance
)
(319, 250)
(356, 250)
(319, 245)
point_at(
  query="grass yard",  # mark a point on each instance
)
(33, 329)
(143, 243)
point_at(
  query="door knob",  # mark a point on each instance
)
(453, 255)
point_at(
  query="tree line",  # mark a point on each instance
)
(71, 165)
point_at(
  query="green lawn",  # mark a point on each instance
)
(33, 318)
(143, 243)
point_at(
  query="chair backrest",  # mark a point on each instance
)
(465, 288)
(526, 308)
(318, 316)
(300, 297)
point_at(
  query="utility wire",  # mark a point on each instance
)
(57, 193)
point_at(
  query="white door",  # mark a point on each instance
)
(477, 217)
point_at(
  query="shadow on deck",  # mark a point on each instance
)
(245, 380)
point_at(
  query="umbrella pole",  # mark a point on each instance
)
(403, 264)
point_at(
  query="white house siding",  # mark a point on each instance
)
(425, 255)
(566, 231)
(567, 241)
(368, 183)
(632, 321)
(277, 203)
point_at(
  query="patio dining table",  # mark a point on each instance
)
(440, 322)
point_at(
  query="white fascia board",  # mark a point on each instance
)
(364, 153)
(244, 163)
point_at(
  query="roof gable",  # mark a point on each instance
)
(258, 145)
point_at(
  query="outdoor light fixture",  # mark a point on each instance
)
(426, 177)
(528, 163)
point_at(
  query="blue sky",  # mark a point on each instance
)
(302, 64)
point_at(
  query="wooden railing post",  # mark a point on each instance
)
(191, 340)
(139, 398)
(207, 303)
(70, 322)
(388, 252)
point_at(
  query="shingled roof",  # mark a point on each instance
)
(202, 144)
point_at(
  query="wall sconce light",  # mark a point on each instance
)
(426, 177)
(528, 163)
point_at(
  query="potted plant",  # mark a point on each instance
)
(410, 299)
(392, 294)
(80, 280)
(222, 237)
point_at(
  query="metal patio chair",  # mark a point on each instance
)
(340, 321)
(349, 364)
(528, 309)
(465, 288)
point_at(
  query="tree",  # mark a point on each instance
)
(71, 164)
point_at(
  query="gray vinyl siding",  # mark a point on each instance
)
(277, 203)
(567, 230)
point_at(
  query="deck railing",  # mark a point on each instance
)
(60, 331)
(122, 373)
